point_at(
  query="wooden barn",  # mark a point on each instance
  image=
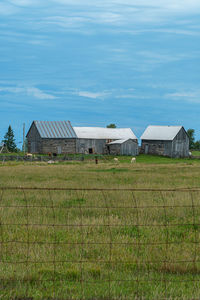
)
(97, 140)
(171, 141)
(51, 136)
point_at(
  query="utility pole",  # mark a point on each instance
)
(24, 139)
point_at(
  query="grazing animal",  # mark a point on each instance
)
(29, 154)
(116, 159)
(51, 162)
(133, 160)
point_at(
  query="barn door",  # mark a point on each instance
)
(146, 149)
(33, 147)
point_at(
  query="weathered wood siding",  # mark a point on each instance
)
(34, 140)
(114, 149)
(155, 147)
(59, 146)
(127, 148)
(179, 147)
(100, 147)
(97, 146)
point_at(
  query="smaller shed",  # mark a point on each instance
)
(123, 147)
(171, 141)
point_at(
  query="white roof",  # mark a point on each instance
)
(104, 133)
(165, 133)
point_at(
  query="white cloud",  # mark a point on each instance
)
(29, 91)
(37, 93)
(74, 14)
(188, 96)
(91, 94)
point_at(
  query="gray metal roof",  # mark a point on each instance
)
(55, 129)
(104, 133)
(165, 133)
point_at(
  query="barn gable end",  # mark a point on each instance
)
(55, 137)
(171, 141)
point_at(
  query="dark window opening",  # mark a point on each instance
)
(90, 150)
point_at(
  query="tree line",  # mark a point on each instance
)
(194, 145)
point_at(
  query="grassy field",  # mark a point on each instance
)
(196, 153)
(100, 244)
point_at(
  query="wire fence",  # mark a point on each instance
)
(99, 243)
(40, 158)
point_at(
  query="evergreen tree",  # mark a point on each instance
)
(9, 140)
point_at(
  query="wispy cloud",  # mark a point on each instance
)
(37, 93)
(156, 57)
(188, 96)
(74, 15)
(172, 31)
(29, 91)
(92, 95)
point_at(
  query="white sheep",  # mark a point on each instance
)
(116, 159)
(133, 160)
(29, 154)
(51, 162)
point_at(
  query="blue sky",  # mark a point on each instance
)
(129, 62)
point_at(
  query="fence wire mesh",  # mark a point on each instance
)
(99, 244)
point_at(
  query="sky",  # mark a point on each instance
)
(94, 62)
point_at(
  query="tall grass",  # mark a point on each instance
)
(99, 245)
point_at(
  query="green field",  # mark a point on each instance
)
(196, 153)
(87, 244)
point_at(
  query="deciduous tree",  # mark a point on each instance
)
(190, 133)
(112, 125)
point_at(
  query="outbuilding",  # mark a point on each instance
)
(51, 137)
(123, 147)
(171, 141)
(97, 139)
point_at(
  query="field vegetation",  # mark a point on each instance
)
(77, 244)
